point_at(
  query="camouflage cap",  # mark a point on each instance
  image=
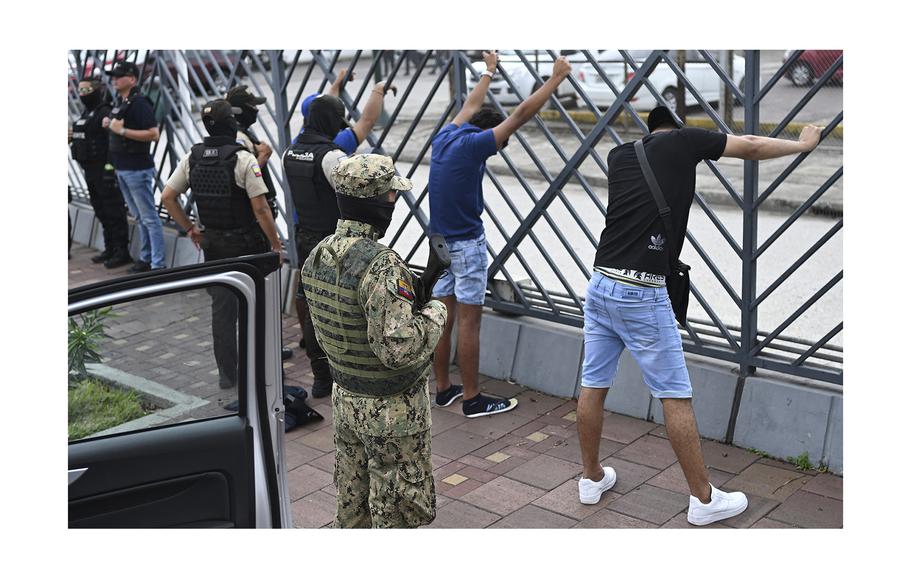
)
(367, 175)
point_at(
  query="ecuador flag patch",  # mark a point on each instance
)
(405, 290)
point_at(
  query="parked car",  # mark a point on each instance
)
(812, 64)
(522, 79)
(191, 460)
(704, 78)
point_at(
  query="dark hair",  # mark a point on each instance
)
(487, 117)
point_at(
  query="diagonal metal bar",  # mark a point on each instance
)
(800, 211)
(819, 344)
(728, 81)
(719, 225)
(777, 76)
(714, 270)
(826, 76)
(569, 170)
(795, 315)
(796, 265)
(714, 318)
(799, 160)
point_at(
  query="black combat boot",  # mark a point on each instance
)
(120, 257)
(104, 256)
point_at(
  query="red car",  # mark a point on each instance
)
(812, 64)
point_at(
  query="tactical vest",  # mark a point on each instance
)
(90, 146)
(341, 327)
(122, 144)
(314, 198)
(223, 205)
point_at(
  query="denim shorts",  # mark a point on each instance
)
(619, 316)
(466, 279)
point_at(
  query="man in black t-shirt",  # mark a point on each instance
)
(627, 305)
(132, 129)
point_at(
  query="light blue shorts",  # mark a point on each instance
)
(466, 279)
(619, 316)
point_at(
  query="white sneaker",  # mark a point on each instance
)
(589, 492)
(722, 506)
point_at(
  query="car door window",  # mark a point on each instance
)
(152, 362)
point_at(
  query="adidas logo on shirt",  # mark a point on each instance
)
(657, 243)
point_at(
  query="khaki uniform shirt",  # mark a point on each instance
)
(246, 174)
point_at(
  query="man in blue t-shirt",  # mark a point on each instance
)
(459, 154)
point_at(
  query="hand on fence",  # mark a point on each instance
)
(383, 88)
(561, 68)
(810, 137)
(491, 58)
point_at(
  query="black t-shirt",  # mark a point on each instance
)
(139, 116)
(634, 236)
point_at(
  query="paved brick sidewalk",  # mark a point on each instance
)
(520, 469)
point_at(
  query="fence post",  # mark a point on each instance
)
(749, 313)
(280, 98)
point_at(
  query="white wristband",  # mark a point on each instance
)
(488, 73)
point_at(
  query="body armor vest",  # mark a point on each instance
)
(222, 204)
(314, 198)
(341, 326)
(89, 139)
(122, 144)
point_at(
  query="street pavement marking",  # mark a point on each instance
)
(498, 457)
(455, 479)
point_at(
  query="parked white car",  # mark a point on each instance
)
(522, 79)
(706, 81)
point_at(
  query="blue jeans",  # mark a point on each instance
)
(466, 279)
(138, 190)
(619, 316)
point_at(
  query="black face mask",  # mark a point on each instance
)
(91, 100)
(248, 117)
(375, 211)
(326, 116)
(228, 127)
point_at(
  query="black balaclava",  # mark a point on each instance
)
(248, 117)
(93, 99)
(376, 211)
(326, 116)
(224, 127)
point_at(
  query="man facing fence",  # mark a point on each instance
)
(460, 151)
(627, 305)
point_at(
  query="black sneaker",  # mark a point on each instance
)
(448, 396)
(286, 353)
(118, 258)
(483, 405)
(106, 254)
(139, 266)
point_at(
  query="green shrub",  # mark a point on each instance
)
(85, 341)
(94, 406)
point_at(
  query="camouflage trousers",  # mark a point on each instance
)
(383, 482)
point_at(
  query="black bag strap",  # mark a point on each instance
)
(662, 208)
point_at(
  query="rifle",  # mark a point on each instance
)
(437, 263)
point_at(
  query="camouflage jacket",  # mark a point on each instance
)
(397, 335)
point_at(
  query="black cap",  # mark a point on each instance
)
(218, 109)
(660, 116)
(123, 69)
(241, 95)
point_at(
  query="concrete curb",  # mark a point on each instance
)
(587, 117)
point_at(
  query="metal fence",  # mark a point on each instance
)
(764, 241)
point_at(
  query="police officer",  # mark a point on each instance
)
(362, 303)
(308, 165)
(89, 145)
(241, 97)
(230, 197)
(133, 128)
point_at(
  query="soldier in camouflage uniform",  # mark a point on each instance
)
(378, 342)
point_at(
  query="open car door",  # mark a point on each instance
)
(164, 430)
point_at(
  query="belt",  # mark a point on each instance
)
(633, 277)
